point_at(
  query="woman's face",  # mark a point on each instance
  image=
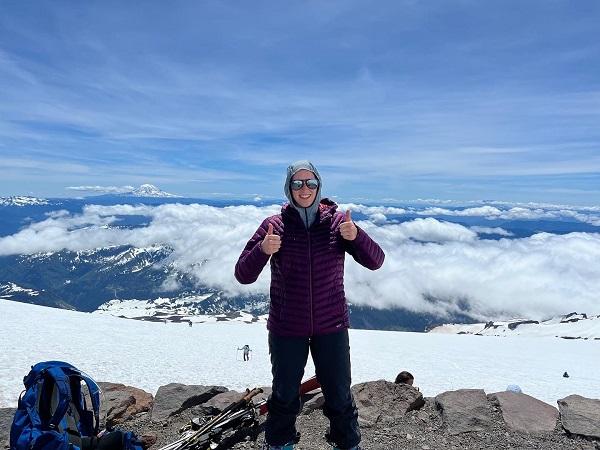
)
(305, 196)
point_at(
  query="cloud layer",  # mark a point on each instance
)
(494, 210)
(431, 265)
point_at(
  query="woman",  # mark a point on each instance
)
(306, 244)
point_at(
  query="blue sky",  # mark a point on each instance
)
(402, 99)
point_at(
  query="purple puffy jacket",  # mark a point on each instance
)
(307, 273)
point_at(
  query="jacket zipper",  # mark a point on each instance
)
(310, 276)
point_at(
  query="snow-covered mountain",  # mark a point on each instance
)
(10, 290)
(569, 326)
(190, 309)
(23, 201)
(136, 282)
(149, 190)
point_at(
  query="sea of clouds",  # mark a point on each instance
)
(431, 265)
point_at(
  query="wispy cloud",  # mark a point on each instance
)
(107, 189)
(431, 265)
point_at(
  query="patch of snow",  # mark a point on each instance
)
(149, 355)
(22, 201)
(8, 290)
(571, 326)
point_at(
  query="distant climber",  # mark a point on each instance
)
(246, 349)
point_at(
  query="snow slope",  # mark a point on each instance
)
(151, 354)
(570, 326)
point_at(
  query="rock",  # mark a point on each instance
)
(382, 402)
(464, 410)
(313, 403)
(120, 403)
(524, 413)
(580, 415)
(148, 439)
(514, 325)
(6, 418)
(223, 400)
(175, 397)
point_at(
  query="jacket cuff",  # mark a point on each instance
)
(257, 256)
(361, 237)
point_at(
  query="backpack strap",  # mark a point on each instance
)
(93, 389)
(64, 394)
(95, 396)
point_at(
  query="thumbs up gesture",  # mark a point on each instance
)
(347, 227)
(271, 243)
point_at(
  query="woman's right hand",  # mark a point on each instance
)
(271, 243)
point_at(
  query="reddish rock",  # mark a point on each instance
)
(120, 403)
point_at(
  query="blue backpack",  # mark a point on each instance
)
(53, 413)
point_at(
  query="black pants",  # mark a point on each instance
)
(331, 356)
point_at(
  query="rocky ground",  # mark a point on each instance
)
(391, 417)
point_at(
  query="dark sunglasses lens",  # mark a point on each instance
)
(312, 184)
(296, 185)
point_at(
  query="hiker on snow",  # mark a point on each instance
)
(246, 349)
(306, 244)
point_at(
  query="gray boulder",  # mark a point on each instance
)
(312, 403)
(382, 402)
(464, 410)
(175, 397)
(580, 415)
(524, 413)
(224, 399)
(121, 403)
(6, 418)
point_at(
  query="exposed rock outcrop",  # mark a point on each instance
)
(580, 415)
(464, 411)
(524, 413)
(381, 402)
(121, 403)
(175, 397)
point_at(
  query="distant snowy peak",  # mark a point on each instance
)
(22, 201)
(9, 290)
(570, 326)
(189, 309)
(149, 190)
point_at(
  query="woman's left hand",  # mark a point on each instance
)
(347, 228)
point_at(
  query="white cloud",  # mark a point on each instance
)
(107, 189)
(536, 277)
(529, 211)
(489, 230)
(484, 211)
(369, 210)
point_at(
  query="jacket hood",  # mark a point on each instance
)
(308, 214)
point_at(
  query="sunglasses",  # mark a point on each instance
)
(311, 183)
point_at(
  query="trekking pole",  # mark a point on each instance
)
(196, 437)
(243, 401)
